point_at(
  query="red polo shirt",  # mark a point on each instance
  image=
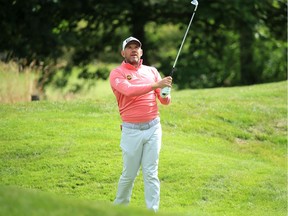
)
(134, 93)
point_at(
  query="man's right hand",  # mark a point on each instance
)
(165, 82)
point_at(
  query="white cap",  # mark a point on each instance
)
(128, 40)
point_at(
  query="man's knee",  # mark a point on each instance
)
(129, 177)
(150, 175)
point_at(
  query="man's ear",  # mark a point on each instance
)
(141, 53)
(123, 54)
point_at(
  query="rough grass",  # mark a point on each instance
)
(224, 152)
(15, 86)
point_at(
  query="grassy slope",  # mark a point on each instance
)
(224, 151)
(15, 201)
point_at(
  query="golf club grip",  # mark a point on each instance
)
(172, 71)
(165, 92)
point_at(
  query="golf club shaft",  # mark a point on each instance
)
(184, 38)
(166, 90)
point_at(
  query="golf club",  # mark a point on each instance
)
(166, 90)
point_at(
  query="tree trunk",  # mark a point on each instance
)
(248, 71)
(138, 27)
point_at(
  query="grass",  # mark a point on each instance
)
(224, 152)
(19, 86)
(15, 86)
(15, 201)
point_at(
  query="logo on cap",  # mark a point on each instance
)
(128, 40)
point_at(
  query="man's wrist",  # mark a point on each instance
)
(154, 86)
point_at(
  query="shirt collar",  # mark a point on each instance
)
(132, 67)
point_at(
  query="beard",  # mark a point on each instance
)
(133, 60)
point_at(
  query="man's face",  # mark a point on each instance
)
(132, 53)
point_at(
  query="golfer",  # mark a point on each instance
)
(136, 87)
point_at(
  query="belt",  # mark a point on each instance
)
(141, 126)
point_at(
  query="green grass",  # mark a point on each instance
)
(224, 152)
(15, 201)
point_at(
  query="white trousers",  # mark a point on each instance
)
(140, 148)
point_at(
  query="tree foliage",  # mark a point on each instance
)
(230, 42)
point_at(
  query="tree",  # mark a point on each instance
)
(27, 30)
(224, 30)
(227, 44)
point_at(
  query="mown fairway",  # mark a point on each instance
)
(224, 152)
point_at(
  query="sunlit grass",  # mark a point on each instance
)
(224, 151)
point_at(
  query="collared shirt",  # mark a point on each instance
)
(134, 93)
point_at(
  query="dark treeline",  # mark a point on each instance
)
(235, 42)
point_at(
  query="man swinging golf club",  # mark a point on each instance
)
(136, 87)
